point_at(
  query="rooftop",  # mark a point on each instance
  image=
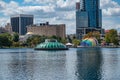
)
(22, 15)
(44, 24)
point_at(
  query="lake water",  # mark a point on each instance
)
(73, 64)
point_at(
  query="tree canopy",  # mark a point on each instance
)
(5, 40)
(76, 42)
(112, 37)
(15, 37)
(94, 34)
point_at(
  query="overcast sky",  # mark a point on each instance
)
(58, 11)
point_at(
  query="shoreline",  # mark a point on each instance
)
(100, 47)
(68, 47)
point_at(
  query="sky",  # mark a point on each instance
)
(58, 12)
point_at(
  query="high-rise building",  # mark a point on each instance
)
(88, 17)
(19, 23)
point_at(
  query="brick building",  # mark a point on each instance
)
(47, 29)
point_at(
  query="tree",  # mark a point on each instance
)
(112, 37)
(55, 37)
(94, 34)
(64, 41)
(69, 39)
(76, 42)
(88, 35)
(5, 40)
(16, 44)
(15, 37)
(34, 40)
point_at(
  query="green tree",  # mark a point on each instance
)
(112, 37)
(69, 39)
(94, 34)
(76, 42)
(16, 44)
(107, 37)
(33, 40)
(64, 41)
(55, 37)
(88, 35)
(5, 40)
(15, 37)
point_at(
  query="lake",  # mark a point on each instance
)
(73, 64)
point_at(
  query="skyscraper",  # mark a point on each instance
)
(19, 23)
(88, 17)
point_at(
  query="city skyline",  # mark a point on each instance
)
(58, 11)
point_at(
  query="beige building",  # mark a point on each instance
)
(8, 28)
(48, 30)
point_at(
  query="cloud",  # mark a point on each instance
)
(111, 22)
(110, 8)
(39, 1)
(57, 11)
(46, 9)
(9, 8)
(108, 3)
(3, 21)
(2, 5)
(111, 12)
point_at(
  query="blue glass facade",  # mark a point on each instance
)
(88, 16)
(20, 22)
(15, 24)
(91, 8)
(83, 18)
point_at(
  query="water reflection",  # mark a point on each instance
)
(71, 63)
(89, 64)
(21, 67)
(74, 64)
(40, 65)
(110, 68)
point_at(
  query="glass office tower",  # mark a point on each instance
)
(19, 23)
(88, 17)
